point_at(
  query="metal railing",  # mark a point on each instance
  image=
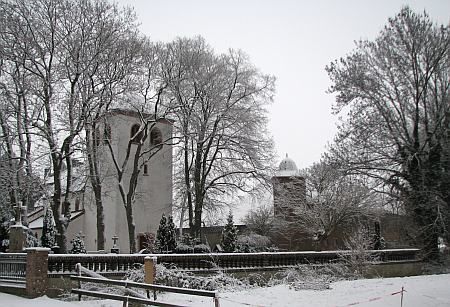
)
(13, 267)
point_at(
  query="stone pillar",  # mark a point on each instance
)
(37, 267)
(17, 238)
(150, 269)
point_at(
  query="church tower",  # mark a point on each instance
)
(288, 189)
(153, 195)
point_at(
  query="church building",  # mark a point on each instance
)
(154, 185)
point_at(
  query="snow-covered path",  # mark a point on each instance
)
(430, 290)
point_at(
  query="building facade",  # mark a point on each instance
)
(154, 182)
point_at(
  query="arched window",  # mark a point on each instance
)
(134, 130)
(155, 136)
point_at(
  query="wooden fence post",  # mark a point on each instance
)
(150, 272)
(37, 268)
(78, 270)
(216, 300)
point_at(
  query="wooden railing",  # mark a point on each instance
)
(118, 264)
(141, 300)
(128, 286)
(13, 266)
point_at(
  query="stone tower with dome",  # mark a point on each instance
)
(288, 189)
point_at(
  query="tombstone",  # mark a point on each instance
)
(115, 249)
(17, 232)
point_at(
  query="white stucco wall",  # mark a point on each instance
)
(154, 191)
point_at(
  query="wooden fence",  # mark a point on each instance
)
(148, 287)
(118, 264)
(130, 295)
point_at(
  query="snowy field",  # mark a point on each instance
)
(430, 290)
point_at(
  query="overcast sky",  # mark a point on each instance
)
(293, 40)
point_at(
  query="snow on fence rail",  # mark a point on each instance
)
(118, 264)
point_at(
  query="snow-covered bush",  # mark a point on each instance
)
(32, 240)
(253, 243)
(201, 249)
(149, 243)
(4, 234)
(311, 277)
(77, 245)
(176, 278)
(357, 256)
(188, 249)
(184, 249)
(187, 239)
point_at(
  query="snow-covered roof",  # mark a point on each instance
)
(79, 177)
(39, 222)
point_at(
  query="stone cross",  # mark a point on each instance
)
(19, 211)
(115, 249)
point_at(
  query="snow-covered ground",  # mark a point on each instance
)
(429, 290)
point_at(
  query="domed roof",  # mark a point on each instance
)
(287, 167)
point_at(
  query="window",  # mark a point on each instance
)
(145, 169)
(155, 136)
(134, 130)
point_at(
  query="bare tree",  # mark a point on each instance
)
(334, 202)
(331, 206)
(397, 132)
(118, 45)
(59, 45)
(260, 220)
(147, 102)
(15, 109)
(221, 120)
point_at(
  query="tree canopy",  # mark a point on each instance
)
(396, 91)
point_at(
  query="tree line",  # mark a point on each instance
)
(64, 65)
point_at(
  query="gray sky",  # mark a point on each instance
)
(292, 40)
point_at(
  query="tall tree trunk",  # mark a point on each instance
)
(131, 228)
(92, 142)
(187, 181)
(9, 155)
(61, 239)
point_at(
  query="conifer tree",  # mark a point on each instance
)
(229, 235)
(165, 236)
(78, 245)
(48, 237)
(171, 236)
(161, 234)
